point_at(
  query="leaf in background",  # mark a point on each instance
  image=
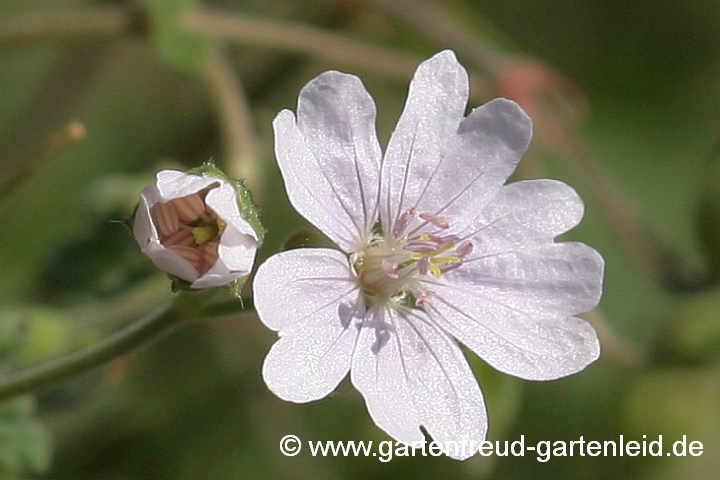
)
(186, 51)
(696, 327)
(25, 443)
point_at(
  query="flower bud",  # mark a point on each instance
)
(191, 226)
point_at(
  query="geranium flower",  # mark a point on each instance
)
(191, 227)
(434, 250)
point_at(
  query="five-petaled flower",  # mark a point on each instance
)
(192, 228)
(435, 250)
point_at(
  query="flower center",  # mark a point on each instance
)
(190, 228)
(391, 266)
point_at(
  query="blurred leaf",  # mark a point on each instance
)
(696, 328)
(186, 51)
(25, 444)
(708, 214)
(45, 334)
(308, 238)
(674, 403)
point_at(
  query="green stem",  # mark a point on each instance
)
(73, 133)
(148, 328)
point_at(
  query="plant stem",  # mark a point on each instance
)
(149, 327)
(73, 133)
(145, 330)
(236, 122)
(301, 39)
(91, 23)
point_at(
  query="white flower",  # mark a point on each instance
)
(435, 251)
(191, 227)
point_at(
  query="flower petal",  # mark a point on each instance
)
(525, 213)
(516, 310)
(310, 296)
(330, 158)
(238, 243)
(172, 184)
(411, 373)
(441, 163)
(147, 237)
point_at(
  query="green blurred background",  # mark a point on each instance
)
(170, 83)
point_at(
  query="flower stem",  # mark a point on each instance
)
(95, 23)
(73, 133)
(301, 39)
(236, 122)
(150, 327)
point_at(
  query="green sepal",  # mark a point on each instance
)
(236, 287)
(244, 197)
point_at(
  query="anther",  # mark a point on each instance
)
(189, 207)
(402, 223)
(435, 220)
(167, 218)
(423, 265)
(424, 298)
(464, 249)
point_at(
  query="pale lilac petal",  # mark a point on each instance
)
(523, 214)
(309, 296)
(442, 163)
(516, 311)
(238, 243)
(147, 237)
(558, 278)
(330, 157)
(172, 184)
(413, 374)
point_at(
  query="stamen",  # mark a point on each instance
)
(189, 207)
(181, 237)
(419, 246)
(442, 240)
(210, 253)
(402, 223)
(450, 266)
(424, 298)
(390, 268)
(167, 218)
(435, 220)
(190, 254)
(464, 249)
(423, 265)
(442, 249)
(435, 270)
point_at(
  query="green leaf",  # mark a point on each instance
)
(695, 334)
(186, 51)
(25, 443)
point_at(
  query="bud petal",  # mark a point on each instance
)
(191, 227)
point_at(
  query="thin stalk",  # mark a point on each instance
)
(236, 122)
(149, 328)
(73, 133)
